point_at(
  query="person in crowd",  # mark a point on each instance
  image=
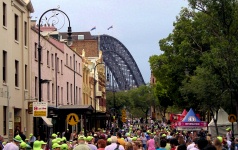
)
(144, 140)
(202, 143)
(81, 144)
(89, 139)
(138, 145)
(162, 145)
(120, 140)
(129, 146)
(1, 142)
(182, 147)
(32, 139)
(151, 143)
(67, 134)
(228, 133)
(173, 143)
(217, 142)
(101, 144)
(181, 140)
(15, 144)
(114, 144)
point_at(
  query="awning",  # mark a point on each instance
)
(47, 122)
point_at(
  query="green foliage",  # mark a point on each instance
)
(205, 42)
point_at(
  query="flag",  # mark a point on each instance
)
(110, 28)
(93, 28)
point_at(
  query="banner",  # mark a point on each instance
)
(40, 109)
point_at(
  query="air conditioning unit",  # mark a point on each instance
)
(99, 94)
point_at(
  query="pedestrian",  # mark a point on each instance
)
(32, 139)
(89, 140)
(81, 144)
(1, 142)
(151, 143)
(114, 145)
(101, 144)
(67, 134)
(120, 140)
(15, 144)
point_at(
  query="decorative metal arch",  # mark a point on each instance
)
(122, 70)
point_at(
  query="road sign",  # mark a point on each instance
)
(72, 119)
(123, 115)
(40, 109)
(232, 118)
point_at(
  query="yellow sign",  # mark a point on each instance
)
(123, 115)
(72, 119)
(232, 118)
(39, 113)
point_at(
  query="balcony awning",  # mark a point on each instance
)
(47, 122)
(79, 107)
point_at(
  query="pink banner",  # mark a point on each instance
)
(200, 124)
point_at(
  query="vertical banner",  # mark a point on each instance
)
(30, 107)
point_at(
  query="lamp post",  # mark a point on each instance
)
(69, 42)
(95, 111)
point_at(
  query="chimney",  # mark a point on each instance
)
(33, 23)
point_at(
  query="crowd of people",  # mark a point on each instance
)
(131, 138)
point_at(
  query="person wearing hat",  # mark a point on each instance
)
(23, 145)
(55, 146)
(81, 144)
(14, 145)
(64, 147)
(228, 134)
(32, 139)
(37, 145)
(43, 145)
(114, 144)
(89, 139)
(50, 141)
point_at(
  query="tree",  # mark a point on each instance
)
(142, 98)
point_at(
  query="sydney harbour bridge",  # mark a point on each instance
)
(121, 69)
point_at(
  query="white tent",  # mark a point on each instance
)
(222, 124)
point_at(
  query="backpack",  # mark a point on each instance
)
(117, 148)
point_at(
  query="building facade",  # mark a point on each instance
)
(62, 67)
(15, 64)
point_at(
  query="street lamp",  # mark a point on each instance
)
(69, 42)
(95, 111)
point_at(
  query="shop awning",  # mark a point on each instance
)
(47, 121)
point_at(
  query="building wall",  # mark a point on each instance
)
(64, 68)
(89, 46)
(16, 49)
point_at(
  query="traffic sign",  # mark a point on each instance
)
(40, 109)
(232, 118)
(72, 119)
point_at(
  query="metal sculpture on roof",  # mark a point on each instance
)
(121, 68)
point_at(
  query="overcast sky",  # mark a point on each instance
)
(138, 24)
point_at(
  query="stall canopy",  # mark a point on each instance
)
(222, 124)
(191, 122)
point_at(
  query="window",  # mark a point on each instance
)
(76, 66)
(58, 94)
(79, 94)
(53, 93)
(79, 67)
(25, 33)
(35, 52)
(67, 90)
(52, 61)
(66, 59)
(16, 73)
(36, 89)
(16, 27)
(58, 65)
(48, 91)
(71, 93)
(26, 76)
(61, 66)
(76, 96)
(62, 95)
(48, 57)
(4, 14)
(4, 67)
(4, 120)
(70, 62)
